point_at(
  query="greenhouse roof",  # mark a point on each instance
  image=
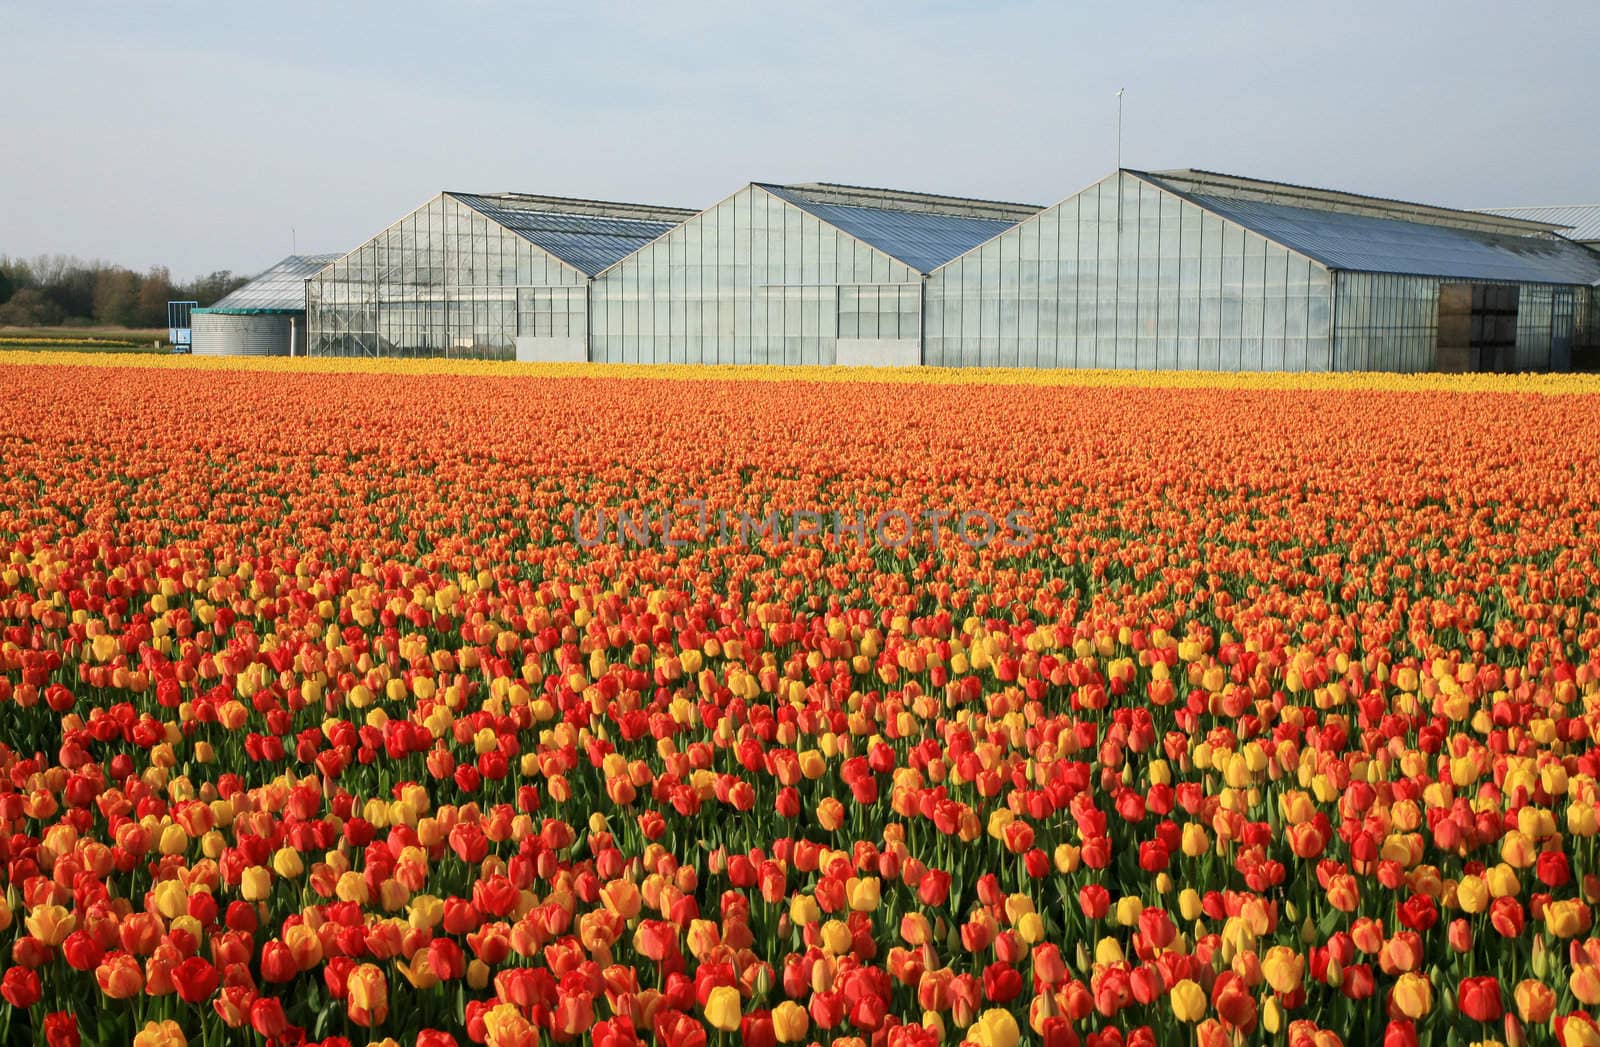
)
(1577, 221)
(1212, 183)
(1365, 234)
(586, 234)
(920, 229)
(281, 289)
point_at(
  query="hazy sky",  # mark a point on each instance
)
(197, 134)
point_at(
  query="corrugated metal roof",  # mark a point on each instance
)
(922, 239)
(1579, 221)
(580, 233)
(1368, 243)
(281, 289)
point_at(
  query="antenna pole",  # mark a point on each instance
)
(1119, 126)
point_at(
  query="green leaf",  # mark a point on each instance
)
(324, 1018)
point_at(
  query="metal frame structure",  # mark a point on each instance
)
(179, 330)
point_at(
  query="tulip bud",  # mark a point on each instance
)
(1272, 1015)
(1048, 1007)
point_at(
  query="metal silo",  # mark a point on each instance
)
(242, 334)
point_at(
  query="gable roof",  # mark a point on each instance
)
(922, 230)
(1579, 222)
(1369, 234)
(586, 234)
(279, 289)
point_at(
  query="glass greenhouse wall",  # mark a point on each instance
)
(753, 280)
(1387, 322)
(1126, 275)
(444, 281)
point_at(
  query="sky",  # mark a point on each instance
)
(221, 135)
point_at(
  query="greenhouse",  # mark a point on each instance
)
(1190, 270)
(797, 274)
(489, 276)
(1170, 270)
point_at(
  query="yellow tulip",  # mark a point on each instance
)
(863, 893)
(50, 924)
(1284, 969)
(803, 910)
(161, 1034)
(790, 1022)
(255, 883)
(352, 887)
(723, 1008)
(836, 939)
(1188, 1001)
(1472, 894)
(287, 864)
(995, 1028)
(171, 899)
(1413, 995)
(173, 840)
(1564, 918)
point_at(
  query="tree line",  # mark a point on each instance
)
(52, 290)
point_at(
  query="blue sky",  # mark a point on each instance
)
(197, 135)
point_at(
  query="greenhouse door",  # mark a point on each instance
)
(1561, 305)
(1477, 326)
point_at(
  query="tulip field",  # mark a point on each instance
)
(329, 714)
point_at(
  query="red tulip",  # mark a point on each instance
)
(1480, 999)
(1400, 1032)
(267, 1018)
(61, 1029)
(195, 980)
(20, 987)
(81, 951)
